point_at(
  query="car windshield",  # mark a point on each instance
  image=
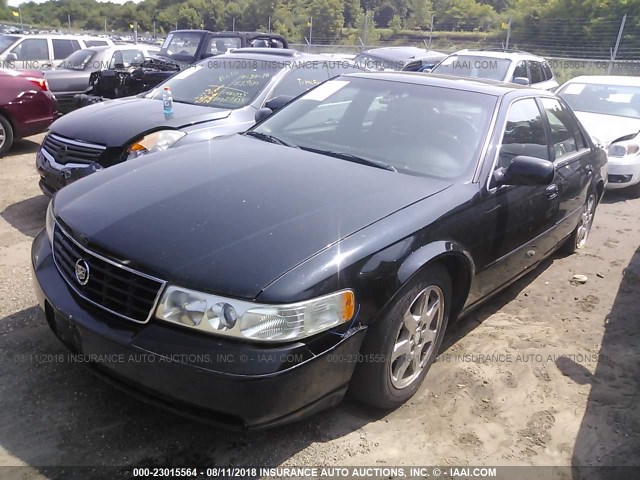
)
(181, 45)
(474, 66)
(6, 41)
(618, 100)
(409, 128)
(78, 60)
(220, 83)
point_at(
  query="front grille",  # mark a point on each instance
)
(64, 150)
(117, 289)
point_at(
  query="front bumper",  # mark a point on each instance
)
(226, 382)
(54, 176)
(623, 172)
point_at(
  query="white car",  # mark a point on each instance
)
(43, 51)
(609, 108)
(512, 66)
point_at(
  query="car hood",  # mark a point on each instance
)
(231, 215)
(608, 128)
(115, 122)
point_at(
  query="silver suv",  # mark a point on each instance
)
(511, 66)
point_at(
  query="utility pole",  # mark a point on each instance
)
(105, 25)
(233, 24)
(69, 20)
(21, 24)
(310, 31)
(269, 24)
(615, 49)
(506, 46)
(366, 29)
(135, 32)
(431, 30)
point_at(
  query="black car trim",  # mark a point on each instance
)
(77, 142)
(163, 283)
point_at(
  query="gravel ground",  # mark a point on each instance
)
(545, 374)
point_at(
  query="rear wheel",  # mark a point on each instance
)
(400, 348)
(578, 239)
(6, 135)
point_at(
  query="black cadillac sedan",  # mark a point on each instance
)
(255, 278)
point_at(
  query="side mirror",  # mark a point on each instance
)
(526, 171)
(262, 114)
(522, 81)
(278, 102)
(11, 57)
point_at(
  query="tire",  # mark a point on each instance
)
(390, 379)
(634, 190)
(6, 136)
(578, 238)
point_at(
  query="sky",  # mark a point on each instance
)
(15, 3)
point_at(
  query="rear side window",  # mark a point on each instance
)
(32, 49)
(132, 57)
(566, 136)
(95, 43)
(520, 70)
(524, 133)
(62, 48)
(546, 70)
(535, 70)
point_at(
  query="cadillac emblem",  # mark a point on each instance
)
(82, 272)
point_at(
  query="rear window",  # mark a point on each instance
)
(6, 41)
(62, 48)
(95, 43)
(78, 59)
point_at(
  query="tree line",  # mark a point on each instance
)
(586, 24)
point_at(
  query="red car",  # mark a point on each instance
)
(27, 106)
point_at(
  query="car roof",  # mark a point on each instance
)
(620, 80)
(400, 53)
(477, 85)
(62, 36)
(509, 54)
(273, 54)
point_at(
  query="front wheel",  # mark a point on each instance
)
(578, 238)
(406, 341)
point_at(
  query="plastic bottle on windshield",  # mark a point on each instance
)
(167, 101)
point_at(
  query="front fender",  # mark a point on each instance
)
(430, 253)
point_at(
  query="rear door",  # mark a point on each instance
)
(571, 156)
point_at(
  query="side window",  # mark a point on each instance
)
(520, 70)
(62, 48)
(132, 57)
(566, 136)
(32, 49)
(524, 133)
(299, 80)
(546, 69)
(117, 60)
(535, 70)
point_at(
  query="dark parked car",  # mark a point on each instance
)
(215, 97)
(260, 275)
(409, 59)
(27, 107)
(180, 49)
(71, 77)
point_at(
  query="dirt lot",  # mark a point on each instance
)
(547, 373)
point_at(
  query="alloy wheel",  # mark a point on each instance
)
(416, 338)
(3, 136)
(586, 221)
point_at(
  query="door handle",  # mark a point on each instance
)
(552, 191)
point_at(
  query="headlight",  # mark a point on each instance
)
(623, 149)
(49, 222)
(154, 142)
(251, 321)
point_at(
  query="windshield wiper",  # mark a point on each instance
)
(353, 158)
(270, 138)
